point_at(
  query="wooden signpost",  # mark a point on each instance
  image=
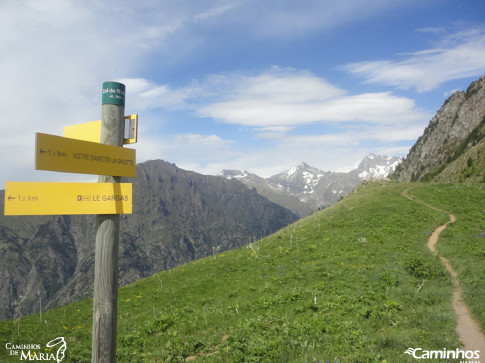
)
(105, 302)
(91, 148)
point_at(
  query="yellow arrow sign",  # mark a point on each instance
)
(30, 198)
(91, 131)
(56, 153)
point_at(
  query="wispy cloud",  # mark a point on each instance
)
(271, 132)
(275, 101)
(458, 55)
(290, 19)
(199, 140)
(145, 94)
(287, 97)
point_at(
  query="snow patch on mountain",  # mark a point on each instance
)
(233, 174)
(318, 188)
(377, 166)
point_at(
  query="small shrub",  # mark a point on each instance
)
(424, 267)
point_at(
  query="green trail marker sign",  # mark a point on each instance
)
(113, 93)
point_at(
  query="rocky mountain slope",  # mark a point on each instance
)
(177, 216)
(452, 147)
(303, 188)
(270, 191)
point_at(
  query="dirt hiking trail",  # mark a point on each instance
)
(468, 329)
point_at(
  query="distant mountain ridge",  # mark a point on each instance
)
(178, 216)
(452, 147)
(303, 188)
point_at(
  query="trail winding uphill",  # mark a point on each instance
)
(467, 328)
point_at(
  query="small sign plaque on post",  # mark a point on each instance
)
(113, 93)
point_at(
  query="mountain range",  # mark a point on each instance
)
(178, 216)
(304, 189)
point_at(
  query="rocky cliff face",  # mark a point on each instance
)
(178, 216)
(445, 138)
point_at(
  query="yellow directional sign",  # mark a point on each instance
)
(30, 198)
(56, 153)
(88, 131)
(91, 131)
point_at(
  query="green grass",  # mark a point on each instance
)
(352, 283)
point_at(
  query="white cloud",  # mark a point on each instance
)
(213, 12)
(198, 140)
(148, 95)
(283, 97)
(272, 132)
(289, 19)
(459, 55)
(191, 151)
(450, 92)
(355, 136)
(278, 97)
(432, 30)
(394, 133)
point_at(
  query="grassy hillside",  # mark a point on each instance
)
(352, 283)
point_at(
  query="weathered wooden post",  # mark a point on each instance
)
(107, 236)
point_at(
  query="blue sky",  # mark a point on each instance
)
(243, 84)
